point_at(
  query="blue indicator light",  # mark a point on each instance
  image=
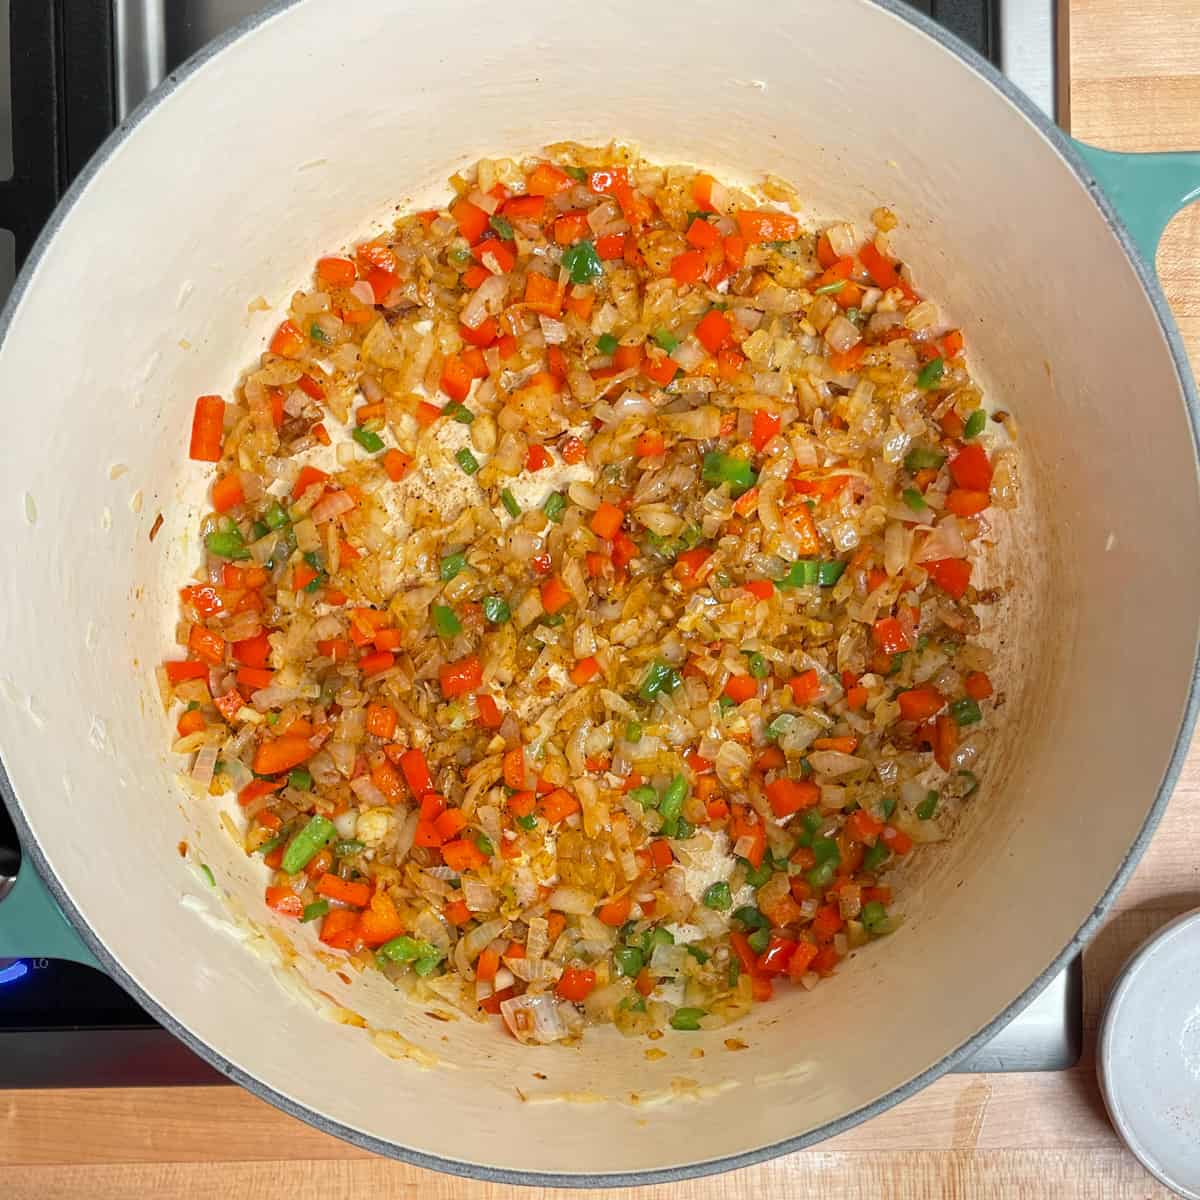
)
(13, 972)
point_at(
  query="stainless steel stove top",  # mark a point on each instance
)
(95, 1034)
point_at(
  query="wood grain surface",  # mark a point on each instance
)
(1135, 85)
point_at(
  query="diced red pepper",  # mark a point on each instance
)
(952, 575)
(775, 958)
(576, 984)
(920, 703)
(470, 218)
(688, 267)
(459, 678)
(766, 426)
(787, 796)
(971, 469)
(714, 329)
(889, 636)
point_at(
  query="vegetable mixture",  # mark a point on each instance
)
(587, 623)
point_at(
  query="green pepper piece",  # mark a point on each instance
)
(405, 949)
(467, 461)
(931, 373)
(873, 915)
(451, 565)
(460, 412)
(607, 344)
(718, 896)
(666, 339)
(259, 529)
(656, 680)
(312, 911)
(496, 610)
(274, 516)
(757, 665)
(555, 506)
(975, 423)
(687, 1019)
(206, 870)
(914, 500)
(829, 571)
(811, 820)
(820, 876)
(875, 857)
(718, 468)
(825, 850)
(427, 963)
(576, 173)
(227, 543)
(582, 261)
(888, 806)
(805, 572)
(510, 503)
(829, 288)
(700, 955)
(633, 731)
(750, 917)
(445, 622)
(371, 442)
(502, 227)
(300, 779)
(758, 940)
(926, 808)
(671, 804)
(317, 834)
(966, 711)
(527, 822)
(922, 458)
(647, 797)
(725, 703)
(757, 876)
(735, 972)
(628, 960)
(658, 936)
(485, 844)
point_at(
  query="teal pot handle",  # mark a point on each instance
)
(1147, 190)
(32, 926)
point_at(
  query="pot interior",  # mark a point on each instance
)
(303, 136)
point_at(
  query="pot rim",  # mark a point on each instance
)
(1066, 149)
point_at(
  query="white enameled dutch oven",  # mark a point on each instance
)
(302, 132)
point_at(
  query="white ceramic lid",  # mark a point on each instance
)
(1149, 1055)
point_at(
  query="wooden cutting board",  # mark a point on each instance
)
(1135, 85)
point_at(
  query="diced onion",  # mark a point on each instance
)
(202, 767)
(572, 900)
(533, 1018)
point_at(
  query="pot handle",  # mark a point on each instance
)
(33, 926)
(1147, 190)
